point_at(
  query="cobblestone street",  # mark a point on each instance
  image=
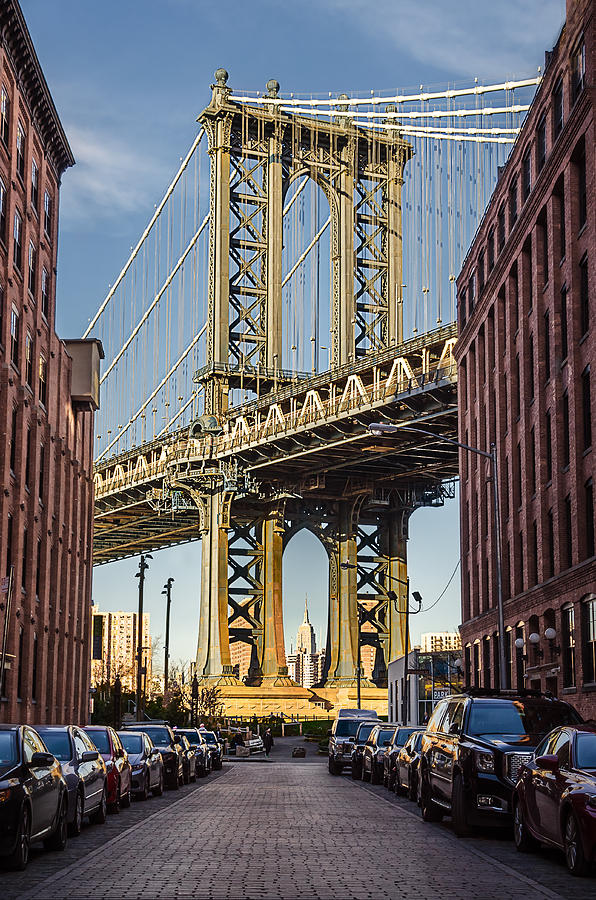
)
(286, 829)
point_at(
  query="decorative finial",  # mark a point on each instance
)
(221, 77)
(272, 88)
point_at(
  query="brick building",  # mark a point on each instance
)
(48, 391)
(526, 357)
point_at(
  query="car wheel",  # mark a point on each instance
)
(125, 800)
(19, 857)
(574, 850)
(365, 775)
(430, 810)
(193, 777)
(458, 808)
(59, 838)
(174, 784)
(356, 772)
(332, 767)
(374, 774)
(144, 794)
(76, 825)
(186, 775)
(101, 813)
(203, 772)
(115, 806)
(398, 786)
(524, 841)
(412, 788)
(158, 791)
(385, 779)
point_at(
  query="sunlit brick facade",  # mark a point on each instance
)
(46, 434)
(527, 382)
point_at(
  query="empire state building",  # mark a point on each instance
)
(305, 638)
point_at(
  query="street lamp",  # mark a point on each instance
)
(381, 428)
(143, 566)
(166, 667)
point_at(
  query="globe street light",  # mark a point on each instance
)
(382, 428)
(143, 566)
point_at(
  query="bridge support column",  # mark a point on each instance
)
(273, 654)
(395, 327)
(347, 309)
(393, 546)
(213, 650)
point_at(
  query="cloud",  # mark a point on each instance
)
(462, 37)
(110, 179)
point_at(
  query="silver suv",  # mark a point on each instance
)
(342, 735)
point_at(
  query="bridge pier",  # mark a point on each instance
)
(273, 653)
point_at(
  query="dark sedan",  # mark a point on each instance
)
(372, 756)
(408, 765)
(118, 767)
(555, 798)
(171, 752)
(146, 764)
(199, 745)
(391, 753)
(359, 740)
(214, 747)
(33, 796)
(188, 757)
(84, 771)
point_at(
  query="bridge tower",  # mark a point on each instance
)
(257, 153)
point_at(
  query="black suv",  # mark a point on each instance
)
(473, 749)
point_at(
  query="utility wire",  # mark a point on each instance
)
(442, 594)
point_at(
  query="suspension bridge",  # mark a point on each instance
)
(295, 284)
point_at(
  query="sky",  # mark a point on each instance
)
(129, 79)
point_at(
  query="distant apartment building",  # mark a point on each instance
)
(49, 390)
(435, 641)
(114, 649)
(240, 658)
(525, 354)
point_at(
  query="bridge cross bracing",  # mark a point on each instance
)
(222, 299)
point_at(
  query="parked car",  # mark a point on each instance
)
(473, 749)
(555, 798)
(215, 748)
(84, 771)
(188, 757)
(146, 764)
(33, 796)
(198, 743)
(399, 738)
(360, 739)
(342, 734)
(407, 766)
(162, 737)
(118, 767)
(374, 750)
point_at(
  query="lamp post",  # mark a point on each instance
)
(391, 596)
(380, 428)
(166, 665)
(143, 566)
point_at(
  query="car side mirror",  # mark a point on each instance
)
(549, 762)
(89, 756)
(454, 728)
(42, 760)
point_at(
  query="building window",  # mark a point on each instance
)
(568, 642)
(581, 184)
(551, 543)
(562, 229)
(531, 365)
(21, 151)
(18, 241)
(490, 250)
(28, 459)
(589, 507)
(542, 225)
(533, 459)
(14, 337)
(519, 658)
(517, 388)
(508, 660)
(586, 408)
(3, 208)
(486, 661)
(480, 271)
(45, 292)
(527, 257)
(558, 108)
(34, 186)
(506, 488)
(32, 268)
(578, 71)
(526, 176)
(24, 561)
(501, 227)
(541, 144)
(47, 214)
(13, 439)
(34, 669)
(20, 665)
(471, 293)
(584, 297)
(8, 544)
(568, 532)
(4, 116)
(565, 428)
(518, 474)
(43, 379)
(512, 203)
(549, 447)
(29, 360)
(564, 347)
(547, 345)
(476, 652)
(42, 455)
(514, 299)
(38, 569)
(462, 307)
(534, 560)
(589, 630)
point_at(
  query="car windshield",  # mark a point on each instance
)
(191, 735)
(519, 717)
(402, 736)
(159, 735)
(132, 743)
(385, 734)
(101, 740)
(347, 727)
(57, 743)
(364, 731)
(586, 751)
(209, 737)
(8, 749)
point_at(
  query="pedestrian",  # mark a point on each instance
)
(268, 741)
